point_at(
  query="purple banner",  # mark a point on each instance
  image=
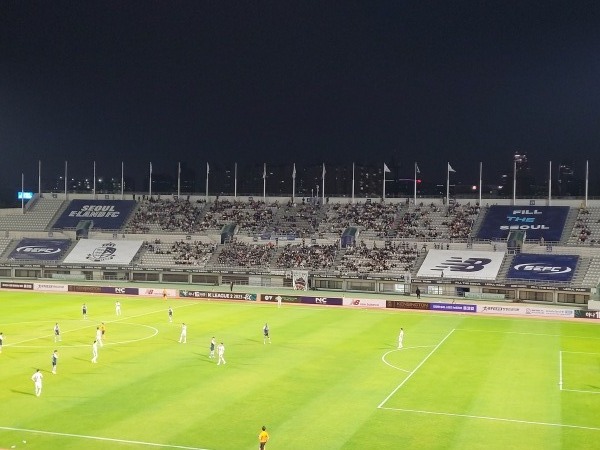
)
(330, 301)
(217, 295)
(276, 298)
(119, 290)
(40, 250)
(452, 307)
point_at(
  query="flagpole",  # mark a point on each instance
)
(235, 181)
(514, 199)
(415, 183)
(94, 183)
(22, 192)
(550, 184)
(323, 189)
(448, 186)
(207, 172)
(294, 184)
(122, 177)
(384, 167)
(178, 180)
(66, 172)
(587, 166)
(480, 180)
(264, 181)
(150, 183)
(352, 182)
(39, 178)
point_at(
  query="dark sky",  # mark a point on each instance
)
(297, 81)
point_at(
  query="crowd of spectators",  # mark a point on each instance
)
(375, 216)
(184, 252)
(377, 259)
(300, 220)
(167, 215)
(238, 254)
(252, 217)
(461, 220)
(314, 256)
(582, 227)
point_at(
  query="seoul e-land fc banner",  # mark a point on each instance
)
(554, 267)
(537, 221)
(96, 251)
(459, 264)
(106, 214)
(40, 250)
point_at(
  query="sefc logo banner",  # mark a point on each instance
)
(40, 250)
(106, 214)
(526, 266)
(536, 221)
(453, 264)
(96, 251)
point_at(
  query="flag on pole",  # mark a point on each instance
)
(450, 169)
(324, 171)
(417, 168)
(150, 168)
(264, 171)
(294, 171)
(385, 168)
(207, 169)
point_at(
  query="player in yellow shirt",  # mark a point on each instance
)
(263, 437)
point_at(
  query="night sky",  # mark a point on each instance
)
(297, 81)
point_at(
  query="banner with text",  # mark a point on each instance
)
(537, 221)
(101, 252)
(543, 267)
(40, 250)
(458, 264)
(106, 214)
(217, 295)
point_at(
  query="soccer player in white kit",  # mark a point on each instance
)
(118, 308)
(95, 352)
(37, 382)
(221, 353)
(401, 338)
(99, 337)
(183, 336)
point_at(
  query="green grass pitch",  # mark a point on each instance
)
(332, 378)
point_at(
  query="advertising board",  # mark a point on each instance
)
(544, 267)
(29, 249)
(106, 214)
(102, 252)
(458, 264)
(537, 221)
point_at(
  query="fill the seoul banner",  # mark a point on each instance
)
(536, 221)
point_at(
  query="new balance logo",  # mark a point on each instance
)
(457, 264)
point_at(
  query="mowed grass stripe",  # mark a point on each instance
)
(318, 384)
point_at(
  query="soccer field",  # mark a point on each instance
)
(332, 378)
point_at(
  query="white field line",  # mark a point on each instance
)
(397, 350)
(560, 370)
(581, 390)
(416, 368)
(497, 419)
(560, 382)
(16, 344)
(98, 438)
(106, 344)
(526, 333)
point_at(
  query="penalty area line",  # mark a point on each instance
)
(497, 419)
(99, 438)
(416, 368)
